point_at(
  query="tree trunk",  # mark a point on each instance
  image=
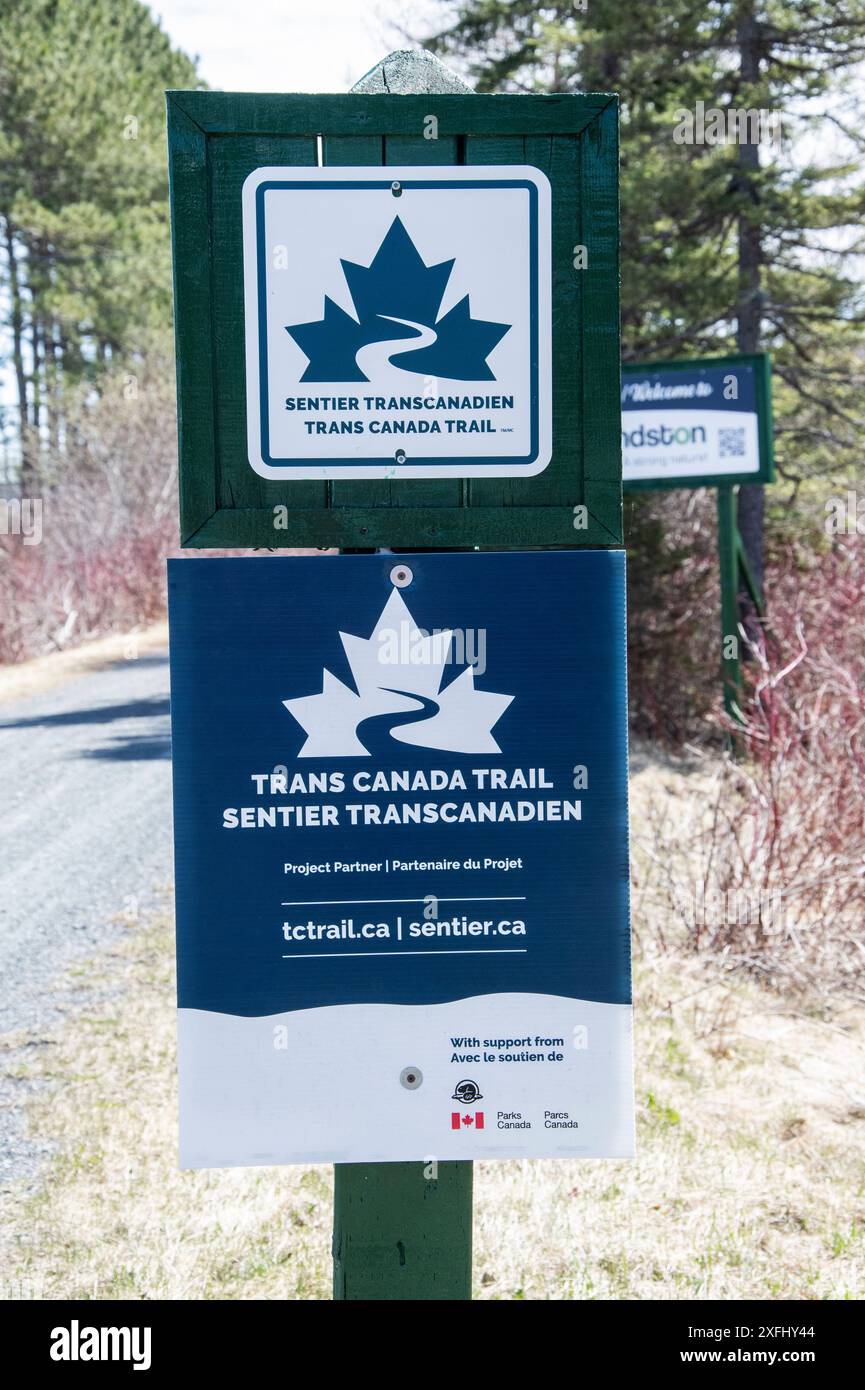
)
(751, 501)
(16, 323)
(36, 348)
(52, 388)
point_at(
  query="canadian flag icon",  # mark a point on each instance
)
(467, 1121)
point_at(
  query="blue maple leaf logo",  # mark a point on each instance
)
(397, 297)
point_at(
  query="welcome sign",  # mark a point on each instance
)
(699, 423)
(398, 322)
(401, 857)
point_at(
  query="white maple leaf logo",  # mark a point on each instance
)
(458, 719)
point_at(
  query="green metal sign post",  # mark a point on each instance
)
(401, 1230)
(735, 575)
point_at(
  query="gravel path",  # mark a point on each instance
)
(85, 834)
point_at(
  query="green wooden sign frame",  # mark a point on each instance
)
(762, 365)
(216, 139)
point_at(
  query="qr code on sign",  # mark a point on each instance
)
(732, 443)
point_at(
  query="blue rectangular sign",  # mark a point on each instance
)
(400, 791)
(700, 423)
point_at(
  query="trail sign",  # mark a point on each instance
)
(398, 322)
(401, 857)
(367, 354)
(401, 1229)
(706, 422)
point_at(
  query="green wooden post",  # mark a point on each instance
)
(731, 641)
(402, 1230)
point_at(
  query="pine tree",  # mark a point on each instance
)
(83, 194)
(747, 244)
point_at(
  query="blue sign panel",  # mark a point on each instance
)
(698, 423)
(401, 857)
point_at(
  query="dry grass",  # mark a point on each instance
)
(114, 1217)
(750, 1181)
(41, 673)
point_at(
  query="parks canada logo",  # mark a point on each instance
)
(398, 673)
(397, 299)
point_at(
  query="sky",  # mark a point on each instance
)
(288, 45)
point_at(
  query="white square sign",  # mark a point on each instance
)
(398, 322)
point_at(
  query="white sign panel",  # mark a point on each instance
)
(398, 322)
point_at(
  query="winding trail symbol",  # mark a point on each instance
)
(374, 359)
(375, 732)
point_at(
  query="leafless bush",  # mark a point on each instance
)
(772, 873)
(108, 520)
(673, 614)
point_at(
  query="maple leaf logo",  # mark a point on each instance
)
(397, 297)
(398, 696)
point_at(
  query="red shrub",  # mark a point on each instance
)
(785, 841)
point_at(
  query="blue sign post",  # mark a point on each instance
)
(402, 868)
